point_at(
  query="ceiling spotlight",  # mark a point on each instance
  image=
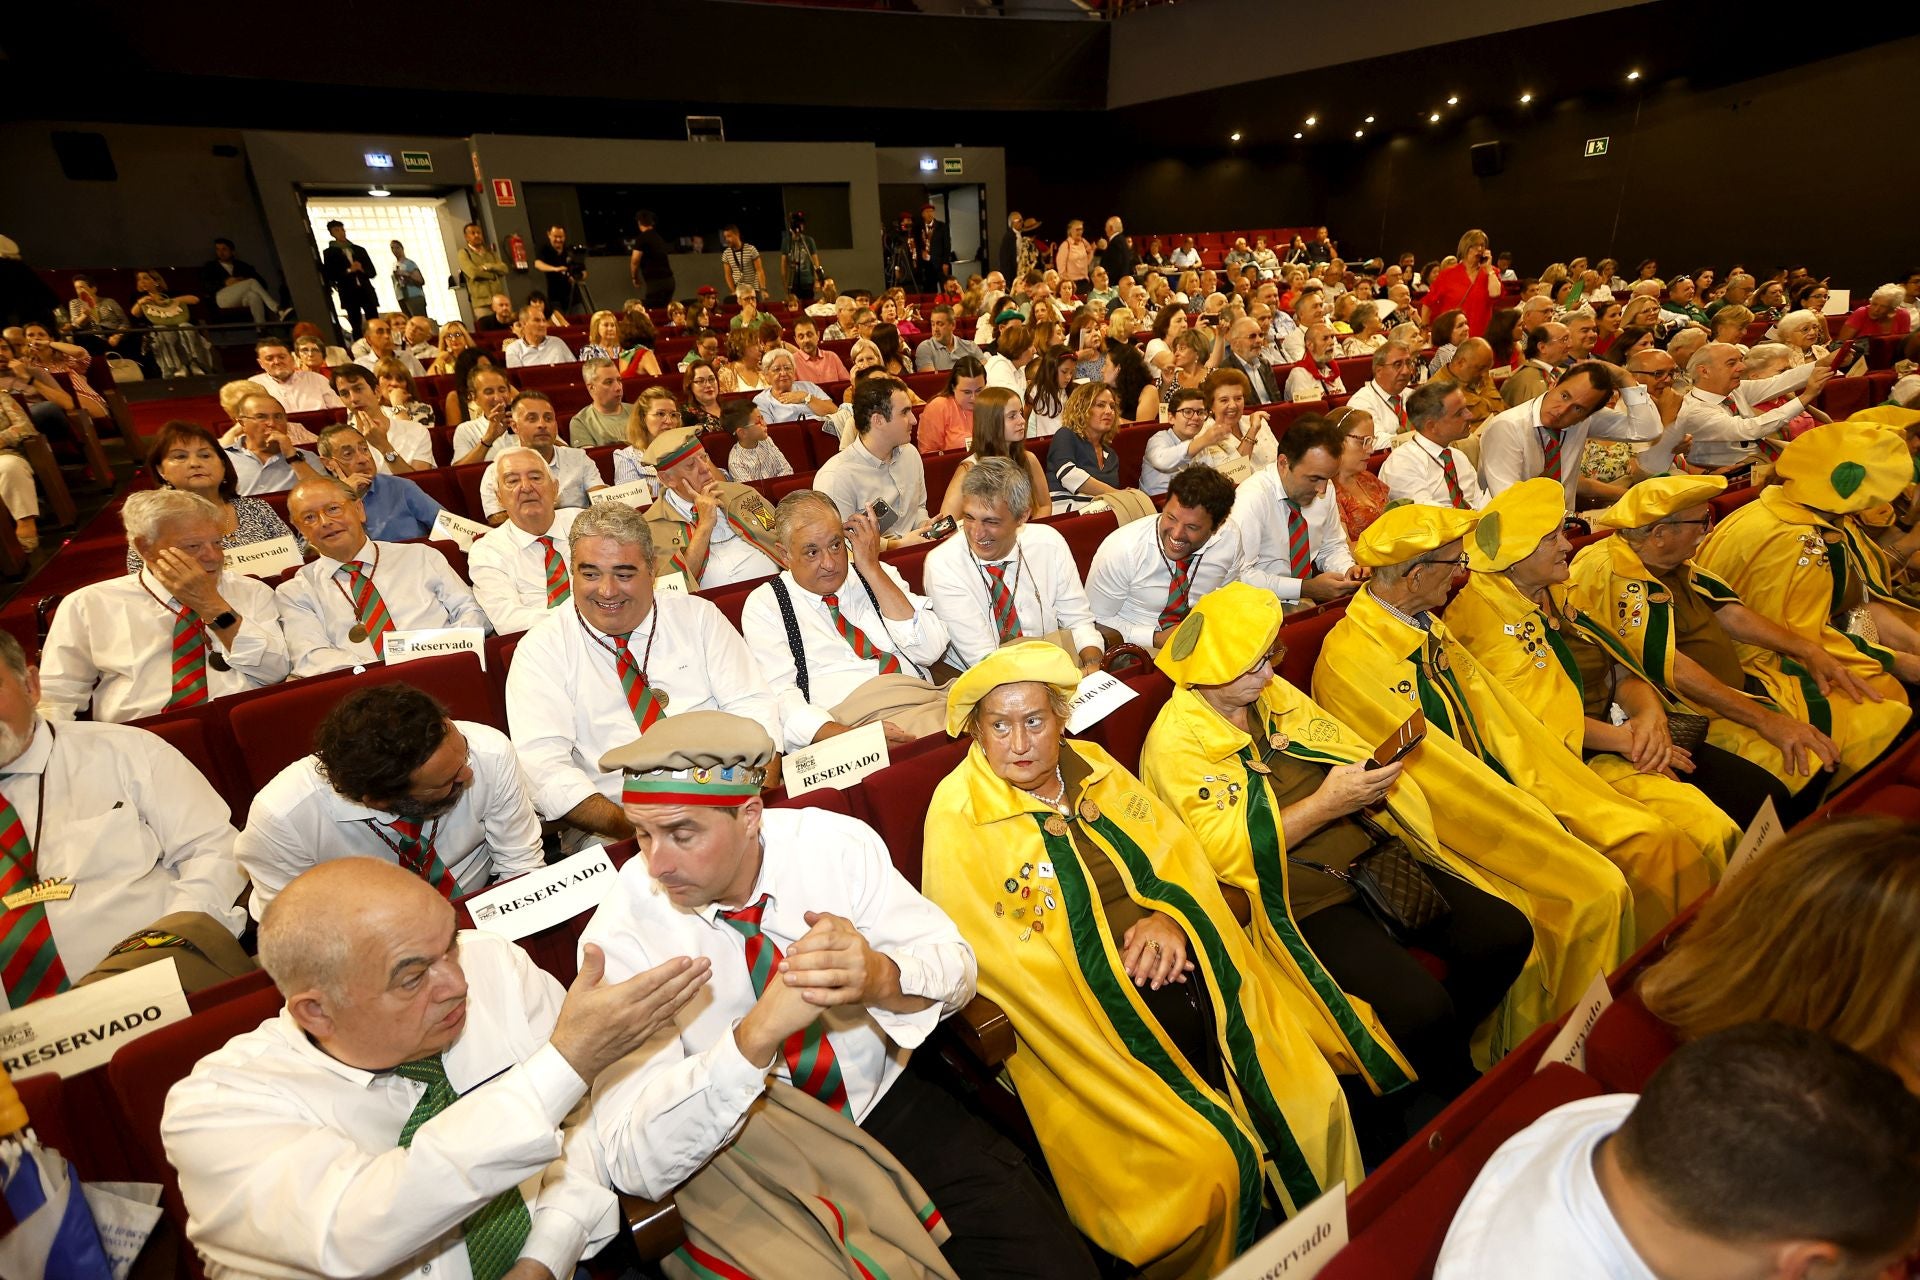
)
(1633, 75)
(1311, 121)
(1368, 120)
(1434, 118)
(1525, 98)
(1298, 136)
(378, 191)
(1453, 100)
(1359, 133)
(1234, 137)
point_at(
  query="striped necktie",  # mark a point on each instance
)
(189, 661)
(1179, 594)
(367, 604)
(811, 1063)
(423, 861)
(558, 589)
(1454, 493)
(857, 639)
(29, 964)
(1006, 618)
(1399, 410)
(641, 699)
(1550, 452)
(1299, 549)
(498, 1230)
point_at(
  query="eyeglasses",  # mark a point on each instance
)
(263, 417)
(1460, 563)
(1705, 522)
(1196, 412)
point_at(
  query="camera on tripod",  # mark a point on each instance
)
(576, 261)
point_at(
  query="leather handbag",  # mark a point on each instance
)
(1686, 730)
(1391, 884)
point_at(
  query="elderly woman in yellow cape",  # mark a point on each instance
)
(1803, 552)
(1774, 696)
(1271, 784)
(1170, 1086)
(1513, 616)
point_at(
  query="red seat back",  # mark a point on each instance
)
(1130, 442)
(468, 480)
(439, 485)
(897, 800)
(1627, 1045)
(1084, 534)
(1355, 372)
(1304, 637)
(940, 469)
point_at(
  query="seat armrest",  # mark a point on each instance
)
(654, 1226)
(985, 1031)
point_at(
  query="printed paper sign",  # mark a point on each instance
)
(1764, 831)
(673, 584)
(1098, 696)
(458, 530)
(1299, 1247)
(431, 642)
(80, 1029)
(839, 762)
(637, 494)
(264, 559)
(1570, 1046)
(541, 899)
(126, 1214)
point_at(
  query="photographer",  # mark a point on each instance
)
(801, 260)
(564, 270)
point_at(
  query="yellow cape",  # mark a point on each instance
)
(1520, 648)
(1192, 749)
(1155, 1166)
(1577, 901)
(1611, 587)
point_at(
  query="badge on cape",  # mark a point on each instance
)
(1056, 826)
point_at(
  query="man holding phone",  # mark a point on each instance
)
(262, 451)
(882, 465)
(1471, 285)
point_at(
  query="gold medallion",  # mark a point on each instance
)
(1056, 826)
(1089, 811)
(1259, 766)
(660, 696)
(1280, 741)
(357, 633)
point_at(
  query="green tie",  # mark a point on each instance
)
(496, 1232)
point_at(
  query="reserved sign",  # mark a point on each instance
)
(1570, 1046)
(637, 494)
(458, 530)
(672, 584)
(431, 642)
(264, 559)
(1764, 831)
(839, 762)
(1097, 698)
(80, 1029)
(1299, 1247)
(541, 899)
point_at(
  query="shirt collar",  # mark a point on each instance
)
(35, 758)
(860, 451)
(160, 593)
(1423, 622)
(762, 884)
(521, 539)
(1710, 397)
(328, 566)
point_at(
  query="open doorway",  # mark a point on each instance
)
(961, 206)
(422, 224)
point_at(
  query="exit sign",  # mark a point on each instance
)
(417, 161)
(1597, 146)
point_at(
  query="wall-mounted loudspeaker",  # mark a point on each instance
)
(1489, 158)
(706, 129)
(84, 156)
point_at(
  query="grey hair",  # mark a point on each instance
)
(1731, 312)
(590, 367)
(614, 520)
(1739, 277)
(798, 507)
(147, 512)
(1427, 402)
(13, 655)
(1794, 321)
(776, 353)
(1384, 352)
(1684, 339)
(1361, 314)
(1896, 294)
(1648, 288)
(1766, 355)
(1705, 353)
(1575, 313)
(299, 958)
(1000, 480)
(504, 454)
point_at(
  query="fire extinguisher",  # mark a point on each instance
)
(517, 250)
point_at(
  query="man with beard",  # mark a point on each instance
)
(1148, 573)
(393, 777)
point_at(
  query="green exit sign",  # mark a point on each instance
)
(1597, 147)
(417, 161)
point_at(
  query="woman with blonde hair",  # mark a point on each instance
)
(603, 337)
(999, 427)
(1817, 933)
(454, 339)
(653, 412)
(1081, 461)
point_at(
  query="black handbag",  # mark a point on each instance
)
(1687, 731)
(1391, 883)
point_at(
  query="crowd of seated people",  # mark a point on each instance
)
(1555, 673)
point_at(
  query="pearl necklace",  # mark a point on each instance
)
(1058, 803)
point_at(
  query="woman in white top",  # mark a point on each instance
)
(1007, 367)
(1368, 331)
(1191, 440)
(653, 411)
(1227, 392)
(1167, 328)
(1801, 332)
(742, 373)
(1051, 378)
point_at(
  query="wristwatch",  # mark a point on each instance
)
(392, 456)
(225, 620)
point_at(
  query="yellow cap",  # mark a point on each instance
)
(1227, 632)
(1844, 467)
(1512, 525)
(1653, 500)
(1889, 415)
(1408, 530)
(1029, 660)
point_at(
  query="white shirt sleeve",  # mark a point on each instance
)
(493, 565)
(1636, 419)
(1113, 580)
(510, 824)
(766, 637)
(542, 723)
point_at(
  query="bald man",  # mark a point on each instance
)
(412, 1108)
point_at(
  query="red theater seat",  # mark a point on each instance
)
(1304, 636)
(897, 800)
(1084, 534)
(1627, 1045)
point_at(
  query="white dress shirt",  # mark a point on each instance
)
(1047, 593)
(298, 820)
(420, 589)
(1375, 402)
(302, 391)
(111, 645)
(1510, 448)
(854, 477)
(1303, 387)
(1293, 347)
(550, 351)
(1537, 1210)
(661, 1111)
(834, 670)
(1413, 471)
(468, 435)
(508, 569)
(566, 708)
(290, 1163)
(730, 557)
(409, 439)
(1723, 436)
(1002, 372)
(271, 475)
(369, 359)
(1260, 515)
(577, 475)
(1167, 454)
(132, 824)
(1127, 582)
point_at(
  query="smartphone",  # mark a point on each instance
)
(1403, 740)
(881, 512)
(940, 528)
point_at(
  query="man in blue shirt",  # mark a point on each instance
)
(397, 509)
(408, 282)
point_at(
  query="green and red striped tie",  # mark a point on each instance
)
(497, 1231)
(811, 1064)
(1550, 450)
(367, 604)
(559, 591)
(857, 639)
(641, 699)
(1454, 492)
(1299, 549)
(1006, 618)
(1179, 595)
(189, 661)
(423, 859)
(30, 966)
